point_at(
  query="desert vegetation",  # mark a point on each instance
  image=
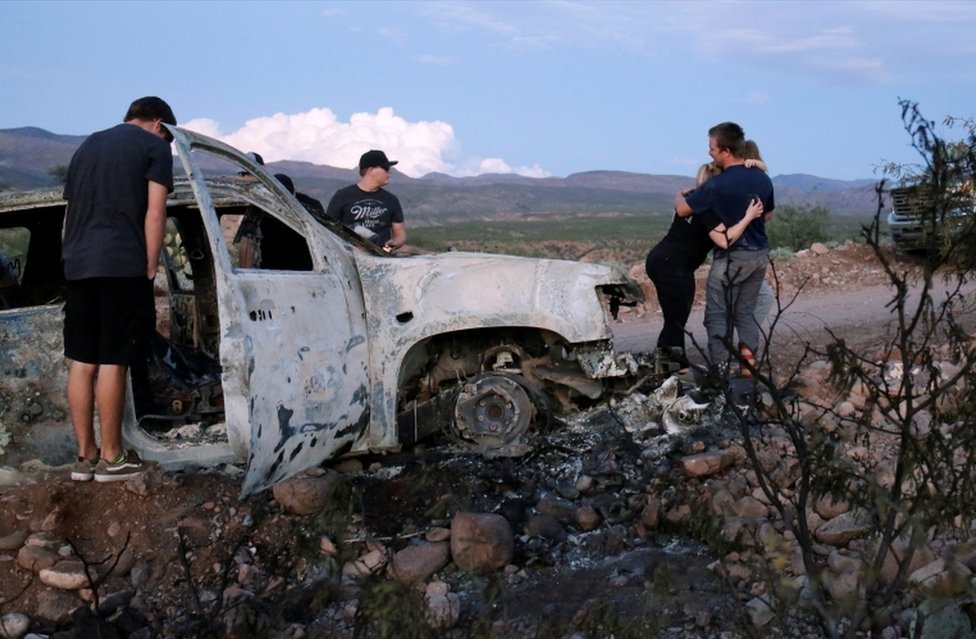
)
(621, 238)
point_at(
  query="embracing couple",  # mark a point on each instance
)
(725, 213)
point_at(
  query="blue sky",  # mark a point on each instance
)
(537, 88)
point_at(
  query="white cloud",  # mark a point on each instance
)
(319, 137)
(494, 165)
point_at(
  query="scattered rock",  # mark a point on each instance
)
(438, 533)
(587, 518)
(327, 547)
(942, 578)
(140, 573)
(350, 466)
(443, 608)
(553, 506)
(145, 483)
(545, 526)
(415, 564)
(113, 601)
(66, 575)
(827, 508)
(843, 528)
(13, 540)
(305, 495)
(751, 508)
(14, 625)
(45, 540)
(705, 464)
(584, 484)
(481, 541)
(760, 612)
(55, 606)
(844, 587)
(650, 516)
(52, 520)
(36, 558)
(369, 564)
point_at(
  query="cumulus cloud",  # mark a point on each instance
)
(498, 165)
(319, 137)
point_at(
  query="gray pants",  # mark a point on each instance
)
(764, 303)
(730, 302)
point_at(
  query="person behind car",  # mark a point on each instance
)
(11, 294)
(116, 188)
(281, 247)
(248, 235)
(368, 208)
(742, 248)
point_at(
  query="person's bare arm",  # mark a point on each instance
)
(398, 237)
(724, 237)
(681, 208)
(756, 164)
(155, 226)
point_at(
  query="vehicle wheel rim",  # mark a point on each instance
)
(493, 411)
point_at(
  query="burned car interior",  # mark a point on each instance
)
(324, 345)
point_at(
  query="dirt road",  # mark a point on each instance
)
(853, 302)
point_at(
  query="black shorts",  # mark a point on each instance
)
(108, 320)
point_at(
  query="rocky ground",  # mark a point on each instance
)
(598, 532)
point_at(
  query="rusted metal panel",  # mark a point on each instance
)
(306, 373)
(33, 379)
(293, 346)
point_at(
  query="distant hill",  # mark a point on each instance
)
(28, 154)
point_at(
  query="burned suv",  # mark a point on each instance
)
(339, 349)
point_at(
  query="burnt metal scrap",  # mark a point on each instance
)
(348, 351)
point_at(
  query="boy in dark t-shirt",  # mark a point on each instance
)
(116, 188)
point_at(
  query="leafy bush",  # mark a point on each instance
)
(797, 227)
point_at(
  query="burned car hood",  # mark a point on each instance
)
(456, 290)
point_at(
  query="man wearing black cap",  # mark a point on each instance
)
(116, 187)
(367, 207)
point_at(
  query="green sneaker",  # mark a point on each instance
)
(126, 465)
(84, 469)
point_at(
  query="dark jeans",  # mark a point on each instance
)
(674, 279)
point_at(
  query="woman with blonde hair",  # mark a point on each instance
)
(672, 262)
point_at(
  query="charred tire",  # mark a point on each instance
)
(494, 412)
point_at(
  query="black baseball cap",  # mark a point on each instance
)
(256, 157)
(375, 158)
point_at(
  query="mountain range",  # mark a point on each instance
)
(28, 155)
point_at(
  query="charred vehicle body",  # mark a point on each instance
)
(339, 348)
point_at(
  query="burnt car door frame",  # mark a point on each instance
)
(293, 344)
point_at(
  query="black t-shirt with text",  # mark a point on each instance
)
(374, 211)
